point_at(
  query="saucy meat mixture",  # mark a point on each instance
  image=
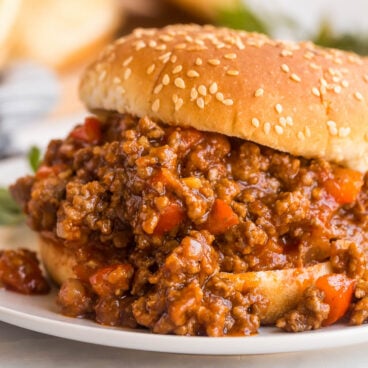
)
(154, 213)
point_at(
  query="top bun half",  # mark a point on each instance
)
(293, 97)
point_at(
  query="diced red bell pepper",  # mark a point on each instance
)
(338, 289)
(170, 217)
(345, 185)
(221, 218)
(112, 280)
(45, 171)
(89, 132)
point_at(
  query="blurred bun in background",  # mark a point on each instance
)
(9, 10)
(57, 33)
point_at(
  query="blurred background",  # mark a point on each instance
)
(45, 44)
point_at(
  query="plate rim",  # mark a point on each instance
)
(270, 340)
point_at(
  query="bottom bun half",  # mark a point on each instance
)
(282, 288)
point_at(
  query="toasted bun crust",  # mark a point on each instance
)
(59, 263)
(282, 288)
(294, 97)
(58, 260)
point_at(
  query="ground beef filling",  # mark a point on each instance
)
(154, 213)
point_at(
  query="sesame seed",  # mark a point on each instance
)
(220, 45)
(255, 122)
(150, 69)
(331, 123)
(333, 130)
(156, 105)
(177, 69)
(175, 98)
(102, 76)
(228, 102)
(295, 77)
(161, 47)
(285, 52)
(279, 129)
(202, 90)
(120, 90)
(165, 57)
(214, 62)
(289, 121)
(219, 96)
(127, 61)
(345, 83)
(192, 73)
(358, 96)
(267, 127)
(127, 73)
(152, 43)
(179, 82)
(259, 92)
(199, 42)
(307, 132)
(165, 38)
(316, 92)
(178, 104)
(240, 44)
(200, 102)
(338, 61)
(282, 121)
(116, 80)
(231, 56)
(278, 108)
(188, 38)
(337, 89)
(173, 59)
(158, 89)
(285, 68)
(232, 72)
(308, 55)
(314, 66)
(193, 94)
(344, 132)
(213, 88)
(198, 61)
(301, 136)
(180, 46)
(165, 80)
(140, 45)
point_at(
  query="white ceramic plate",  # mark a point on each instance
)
(39, 313)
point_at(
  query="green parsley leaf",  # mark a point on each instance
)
(241, 17)
(10, 213)
(328, 38)
(34, 158)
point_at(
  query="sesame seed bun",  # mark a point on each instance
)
(293, 97)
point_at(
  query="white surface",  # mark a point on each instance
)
(40, 314)
(344, 16)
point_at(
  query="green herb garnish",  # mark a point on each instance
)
(328, 38)
(241, 17)
(34, 158)
(10, 213)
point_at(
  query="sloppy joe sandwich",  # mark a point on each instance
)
(219, 186)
